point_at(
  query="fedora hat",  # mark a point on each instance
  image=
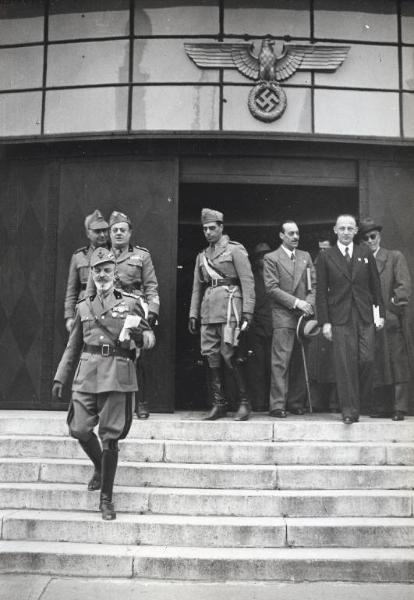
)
(367, 225)
(306, 328)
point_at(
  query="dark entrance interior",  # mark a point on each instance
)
(252, 214)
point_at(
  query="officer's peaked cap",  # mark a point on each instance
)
(208, 215)
(102, 255)
(95, 221)
(119, 217)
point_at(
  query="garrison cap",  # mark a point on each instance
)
(118, 217)
(102, 255)
(367, 225)
(208, 215)
(95, 221)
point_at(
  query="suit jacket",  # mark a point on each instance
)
(210, 303)
(95, 373)
(339, 287)
(395, 279)
(286, 281)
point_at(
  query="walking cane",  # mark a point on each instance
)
(305, 368)
(306, 328)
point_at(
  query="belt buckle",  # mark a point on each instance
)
(105, 349)
(214, 282)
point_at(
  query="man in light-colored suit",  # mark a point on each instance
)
(105, 380)
(289, 278)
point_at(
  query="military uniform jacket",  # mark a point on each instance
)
(340, 287)
(210, 303)
(135, 274)
(286, 281)
(96, 373)
(77, 279)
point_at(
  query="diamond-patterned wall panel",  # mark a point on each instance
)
(24, 188)
(145, 190)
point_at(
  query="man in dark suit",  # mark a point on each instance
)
(289, 278)
(391, 356)
(348, 288)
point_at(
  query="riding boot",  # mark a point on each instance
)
(92, 448)
(244, 404)
(109, 464)
(218, 409)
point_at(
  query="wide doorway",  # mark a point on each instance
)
(252, 214)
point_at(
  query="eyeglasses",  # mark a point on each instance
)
(371, 236)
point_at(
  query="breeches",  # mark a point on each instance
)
(112, 410)
(213, 345)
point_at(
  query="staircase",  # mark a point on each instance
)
(301, 499)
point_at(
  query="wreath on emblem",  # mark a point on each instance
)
(267, 101)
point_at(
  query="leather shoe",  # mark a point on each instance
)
(278, 413)
(297, 411)
(355, 419)
(347, 420)
(398, 416)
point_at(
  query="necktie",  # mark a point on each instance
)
(292, 256)
(347, 256)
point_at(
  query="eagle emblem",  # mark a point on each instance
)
(267, 100)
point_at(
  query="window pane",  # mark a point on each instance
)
(368, 20)
(20, 113)
(356, 113)
(365, 66)
(175, 107)
(70, 19)
(21, 67)
(276, 17)
(408, 114)
(96, 109)
(166, 60)
(408, 68)
(88, 63)
(407, 21)
(21, 22)
(176, 17)
(236, 114)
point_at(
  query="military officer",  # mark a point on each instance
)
(222, 303)
(135, 274)
(97, 232)
(391, 356)
(104, 344)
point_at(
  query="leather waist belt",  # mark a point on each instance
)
(108, 350)
(224, 281)
(83, 286)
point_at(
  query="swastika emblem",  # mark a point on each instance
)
(267, 101)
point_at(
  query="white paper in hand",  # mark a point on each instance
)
(131, 321)
(376, 314)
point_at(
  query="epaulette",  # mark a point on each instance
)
(84, 249)
(141, 248)
(235, 243)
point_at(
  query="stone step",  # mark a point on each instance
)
(189, 426)
(218, 531)
(187, 501)
(214, 476)
(258, 453)
(208, 564)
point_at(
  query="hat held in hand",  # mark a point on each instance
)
(306, 328)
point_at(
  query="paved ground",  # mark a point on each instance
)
(38, 587)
